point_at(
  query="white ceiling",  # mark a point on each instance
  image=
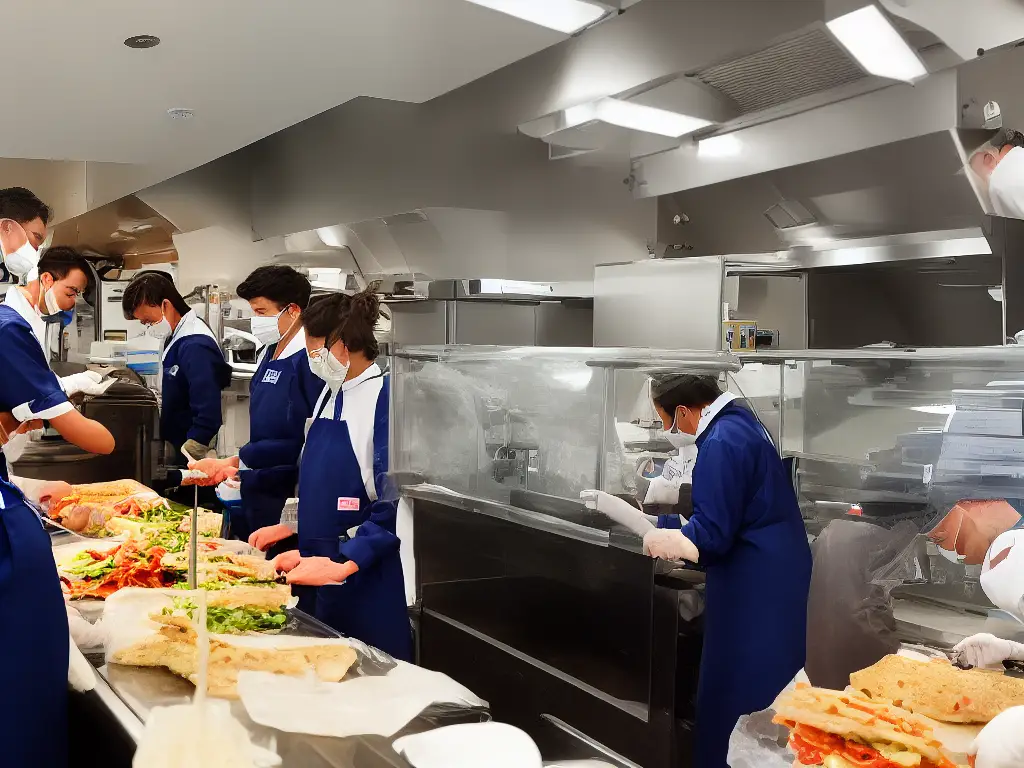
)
(248, 68)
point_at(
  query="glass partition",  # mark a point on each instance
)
(908, 465)
(511, 425)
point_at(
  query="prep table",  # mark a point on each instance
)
(112, 717)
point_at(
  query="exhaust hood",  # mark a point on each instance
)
(885, 163)
(446, 253)
(126, 230)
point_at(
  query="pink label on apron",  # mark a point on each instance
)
(347, 504)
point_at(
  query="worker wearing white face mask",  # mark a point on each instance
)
(346, 517)
(657, 490)
(282, 395)
(1000, 165)
(745, 524)
(194, 369)
(1001, 743)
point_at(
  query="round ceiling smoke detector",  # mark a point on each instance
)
(180, 114)
(140, 42)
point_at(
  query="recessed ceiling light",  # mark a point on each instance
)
(142, 41)
(637, 117)
(180, 114)
(871, 39)
(568, 16)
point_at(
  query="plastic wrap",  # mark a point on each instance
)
(850, 614)
(364, 705)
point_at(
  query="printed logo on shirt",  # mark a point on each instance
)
(173, 371)
(271, 376)
(348, 504)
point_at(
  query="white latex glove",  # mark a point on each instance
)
(670, 544)
(986, 650)
(85, 635)
(81, 675)
(1001, 743)
(87, 382)
(622, 512)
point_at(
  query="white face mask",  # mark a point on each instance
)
(266, 328)
(159, 330)
(678, 438)
(951, 554)
(327, 367)
(1004, 584)
(22, 261)
(50, 301)
(1006, 185)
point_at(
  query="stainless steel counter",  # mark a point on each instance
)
(129, 694)
(140, 690)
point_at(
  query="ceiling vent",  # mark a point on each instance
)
(795, 68)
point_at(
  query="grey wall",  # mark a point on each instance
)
(776, 302)
(908, 306)
(371, 158)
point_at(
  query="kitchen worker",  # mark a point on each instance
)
(34, 634)
(194, 369)
(965, 533)
(348, 547)
(999, 164)
(1001, 742)
(282, 395)
(23, 221)
(747, 532)
(62, 274)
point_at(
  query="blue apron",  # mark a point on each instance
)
(34, 637)
(276, 435)
(753, 544)
(370, 606)
(34, 628)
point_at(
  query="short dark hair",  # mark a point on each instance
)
(686, 390)
(350, 319)
(277, 283)
(60, 260)
(151, 289)
(23, 206)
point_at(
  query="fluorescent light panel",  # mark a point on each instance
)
(726, 145)
(568, 16)
(636, 117)
(871, 39)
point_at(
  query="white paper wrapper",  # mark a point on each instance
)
(377, 705)
(471, 745)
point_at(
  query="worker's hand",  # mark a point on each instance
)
(985, 650)
(286, 561)
(266, 537)
(196, 450)
(670, 544)
(53, 492)
(87, 382)
(10, 426)
(622, 512)
(216, 471)
(1000, 743)
(318, 571)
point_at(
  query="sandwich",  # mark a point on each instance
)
(938, 690)
(174, 646)
(837, 729)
